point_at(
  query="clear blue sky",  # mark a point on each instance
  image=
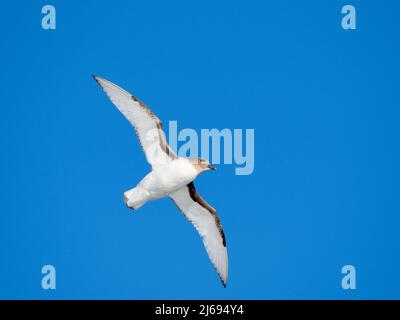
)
(324, 104)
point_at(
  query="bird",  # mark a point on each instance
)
(170, 176)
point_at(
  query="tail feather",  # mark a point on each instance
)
(135, 198)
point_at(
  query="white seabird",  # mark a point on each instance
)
(171, 176)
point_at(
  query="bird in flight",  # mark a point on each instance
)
(171, 176)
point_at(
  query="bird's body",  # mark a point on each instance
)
(161, 182)
(171, 176)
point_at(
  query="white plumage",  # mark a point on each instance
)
(170, 176)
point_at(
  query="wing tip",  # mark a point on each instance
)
(96, 78)
(224, 279)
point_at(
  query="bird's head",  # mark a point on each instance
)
(201, 164)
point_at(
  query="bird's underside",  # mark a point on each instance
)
(170, 176)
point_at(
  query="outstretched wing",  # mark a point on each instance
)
(147, 126)
(206, 221)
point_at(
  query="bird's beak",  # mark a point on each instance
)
(211, 167)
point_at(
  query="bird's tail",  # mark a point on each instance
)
(136, 197)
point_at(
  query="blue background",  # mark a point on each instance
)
(324, 104)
